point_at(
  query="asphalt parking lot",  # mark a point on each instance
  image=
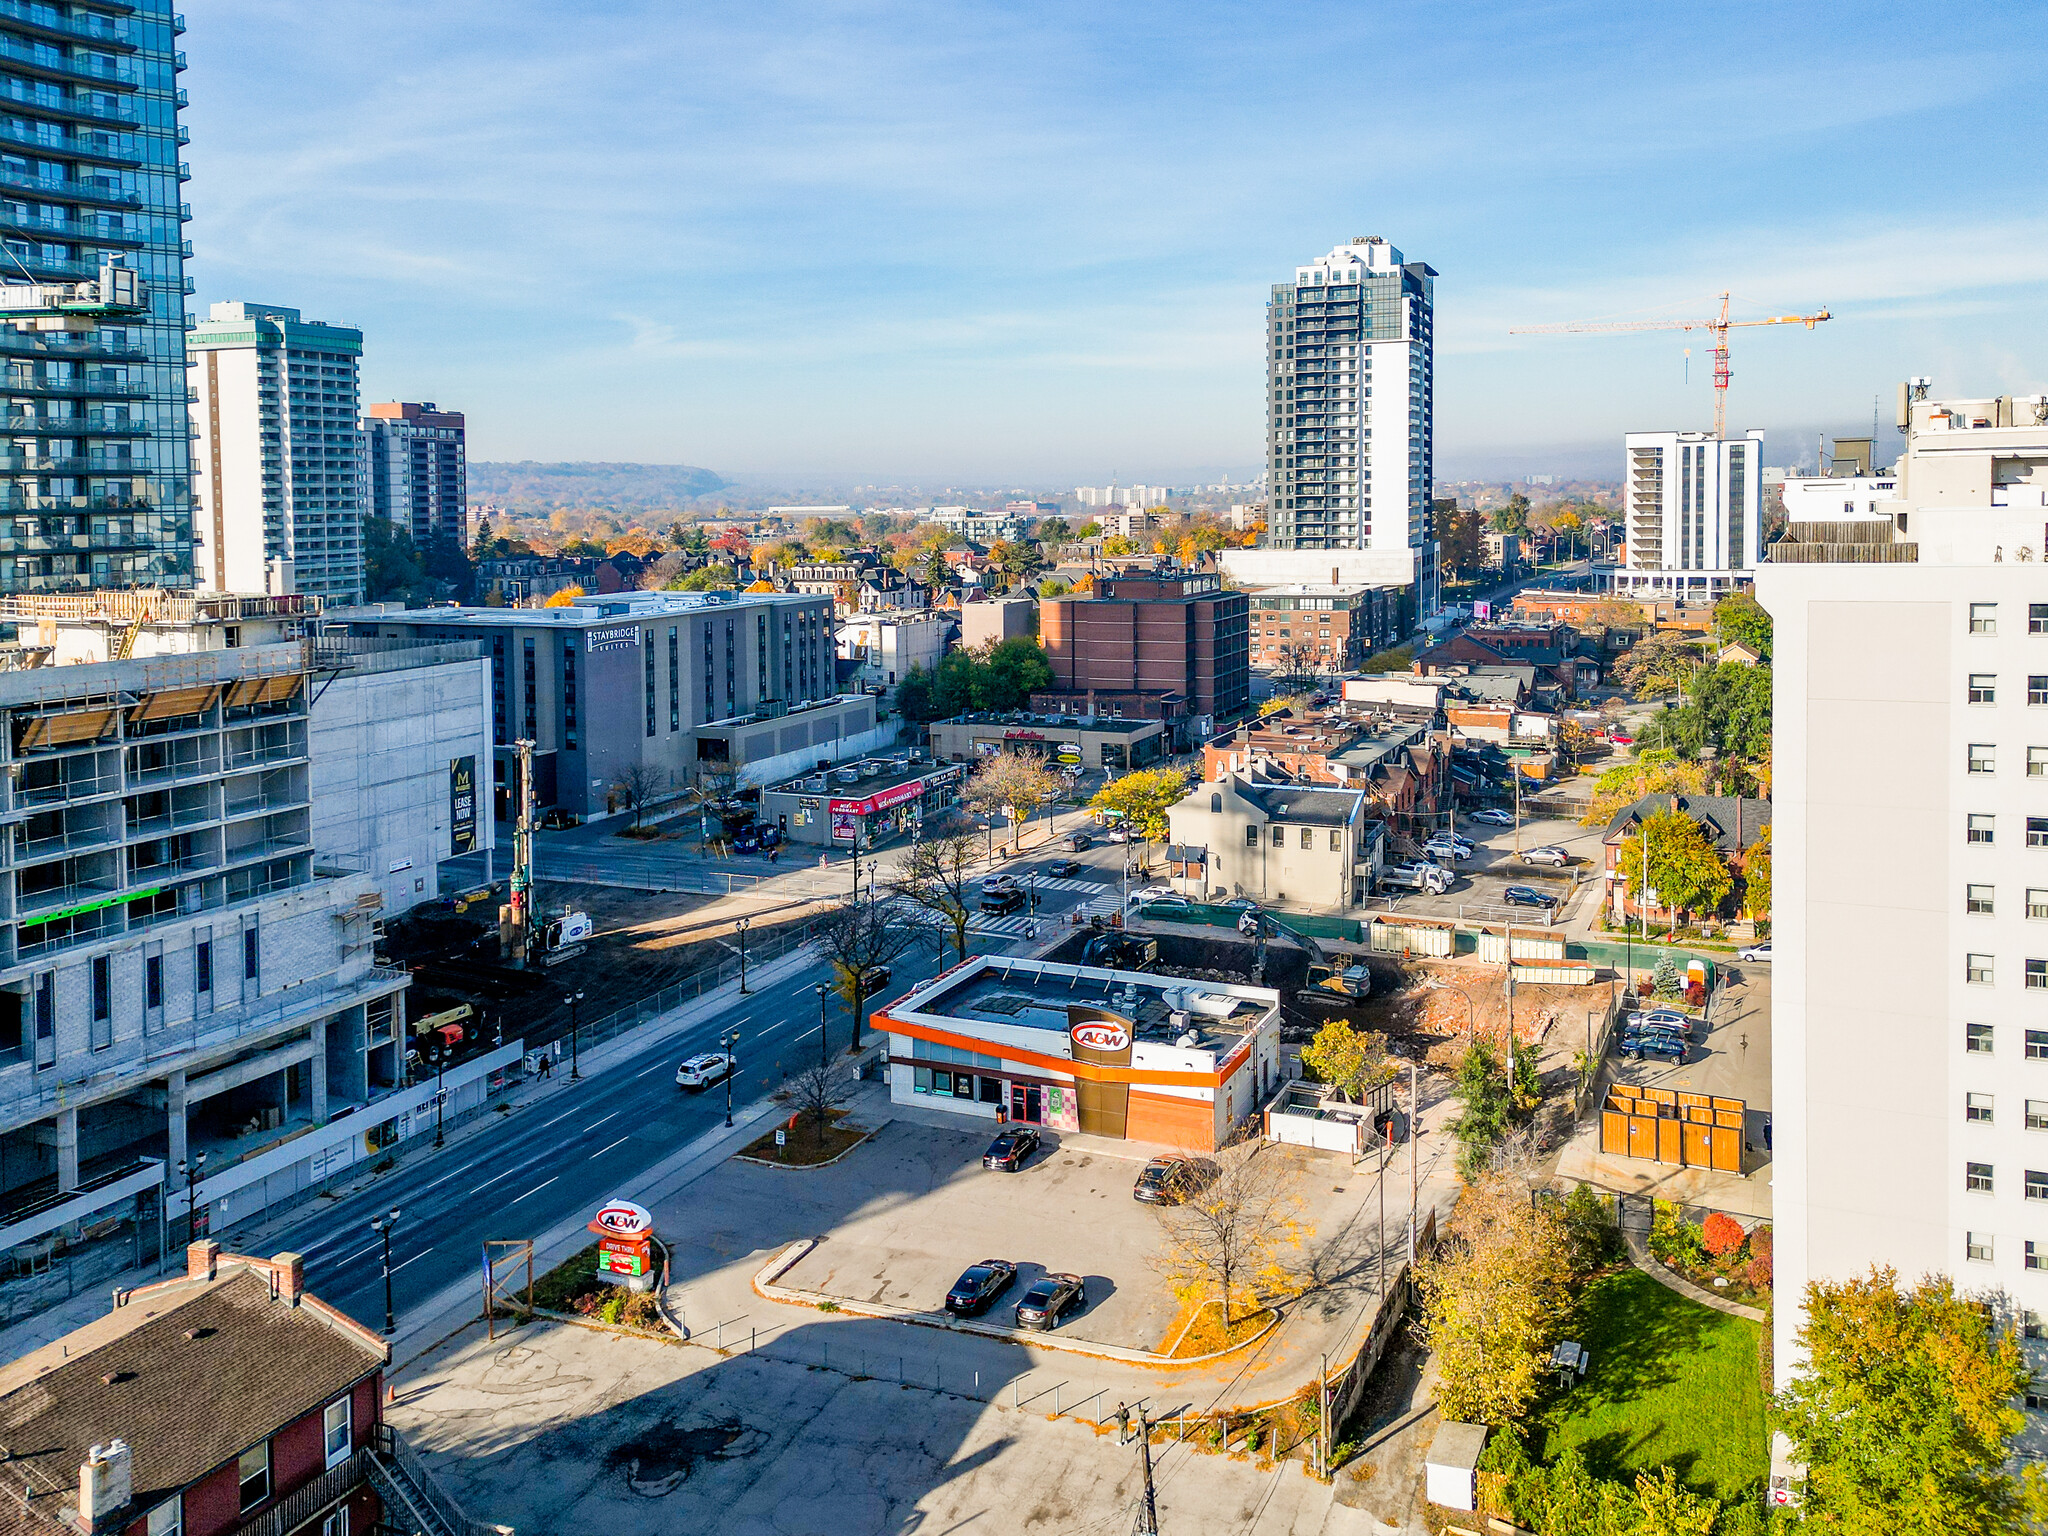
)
(1066, 1211)
(1494, 866)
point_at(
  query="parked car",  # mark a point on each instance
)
(702, 1071)
(874, 979)
(1170, 899)
(1118, 834)
(1759, 952)
(1418, 876)
(1146, 893)
(1002, 903)
(756, 839)
(1622, 739)
(1670, 1047)
(993, 885)
(1456, 849)
(1493, 816)
(557, 820)
(1074, 842)
(1009, 1151)
(1643, 1024)
(1170, 1179)
(979, 1285)
(1062, 869)
(1527, 896)
(1549, 854)
(1049, 1300)
(1240, 904)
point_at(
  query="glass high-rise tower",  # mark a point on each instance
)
(95, 481)
(1350, 376)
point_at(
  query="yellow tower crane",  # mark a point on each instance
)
(1719, 326)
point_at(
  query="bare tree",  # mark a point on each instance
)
(937, 878)
(983, 794)
(818, 1090)
(1024, 784)
(636, 784)
(859, 936)
(713, 787)
(1236, 1230)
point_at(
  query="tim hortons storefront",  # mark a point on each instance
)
(1078, 1048)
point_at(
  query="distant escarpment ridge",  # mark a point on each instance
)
(531, 484)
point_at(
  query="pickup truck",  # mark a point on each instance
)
(1419, 876)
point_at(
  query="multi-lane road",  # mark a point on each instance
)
(521, 1174)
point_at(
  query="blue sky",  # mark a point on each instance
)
(1032, 243)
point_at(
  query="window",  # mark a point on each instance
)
(2035, 1400)
(2037, 618)
(1983, 618)
(335, 1524)
(1308, 839)
(254, 1473)
(1979, 899)
(2037, 689)
(1251, 836)
(1983, 828)
(1977, 1108)
(1336, 841)
(1215, 805)
(2035, 1260)
(2037, 1045)
(2030, 1325)
(2037, 1114)
(1983, 687)
(2037, 831)
(248, 954)
(1279, 837)
(2037, 902)
(153, 982)
(1977, 1178)
(2037, 762)
(1978, 970)
(336, 1425)
(1983, 757)
(2037, 1184)
(1980, 1246)
(102, 1002)
(168, 1518)
(2037, 975)
(202, 966)
(1977, 1040)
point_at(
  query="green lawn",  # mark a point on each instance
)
(1671, 1383)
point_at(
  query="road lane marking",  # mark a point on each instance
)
(413, 1260)
(537, 1189)
(658, 1066)
(596, 1123)
(601, 1151)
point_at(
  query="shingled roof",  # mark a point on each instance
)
(190, 1374)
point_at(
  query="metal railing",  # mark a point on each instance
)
(309, 1499)
(410, 1485)
(709, 979)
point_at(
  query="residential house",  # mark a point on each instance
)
(1734, 826)
(1403, 764)
(1306, 847)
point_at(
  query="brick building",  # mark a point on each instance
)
(1402, 765)
(227, 1399)
(1322, 628)
(1159, 632)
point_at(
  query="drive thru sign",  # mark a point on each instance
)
(625, 1238)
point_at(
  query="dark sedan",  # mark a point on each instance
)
(1527, 896)
(1050, 1299)
(1009, 1151)
(979, 1286)
(1063, 869)
(1170, 1180)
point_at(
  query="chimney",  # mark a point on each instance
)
(202, 1259)
(106, 1486)
(290, 1270)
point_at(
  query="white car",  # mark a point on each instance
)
(996, 884)
(1457, 850)
(1119, 834)
(1493, 818)
(1548, 855)
(1760, 952)
(702, 1071)
(1150, 893)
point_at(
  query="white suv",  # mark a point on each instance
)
(702, 1071)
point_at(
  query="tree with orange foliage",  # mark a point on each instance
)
(564, 598)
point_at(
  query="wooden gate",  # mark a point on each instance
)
(1687, 1130)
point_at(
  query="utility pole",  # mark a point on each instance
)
(1414, 1153)
(519, 908)
(1148, 1516)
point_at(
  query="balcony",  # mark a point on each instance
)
(82, 26)
(91, 387)
(72, 229)
(121, 112)
(43, 904)
(50, 64)
(91, 424)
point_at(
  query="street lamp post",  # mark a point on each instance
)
(192, 1171)
(575, 1062)
(730, 1043)
(382, 1227)
(438, 1055)
(824, 1057)
(740, 926)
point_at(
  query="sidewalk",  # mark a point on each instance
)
(255, 1236)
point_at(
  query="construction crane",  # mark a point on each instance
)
(1719, 327)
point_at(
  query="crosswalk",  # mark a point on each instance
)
(1045, 884)
(1101, 903)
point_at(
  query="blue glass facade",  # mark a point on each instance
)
(95, 477)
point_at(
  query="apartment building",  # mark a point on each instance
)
(1350, 390)
(415, 467)
(1910, 1031)
(1159, 632)
(1692, 514)
(97, 471)
(884, 648)
(1326, 630)
(1308, 848)
(652, 681)
(277, 453)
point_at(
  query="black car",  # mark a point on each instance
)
(1062, 869)
(1171, 1179)
(1527, 896)
(979, 1286)
(874, 979)
(1050, 1299)
(1009, 1151)
(1001, 903)
(1076, 841)
(1656, 1043)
